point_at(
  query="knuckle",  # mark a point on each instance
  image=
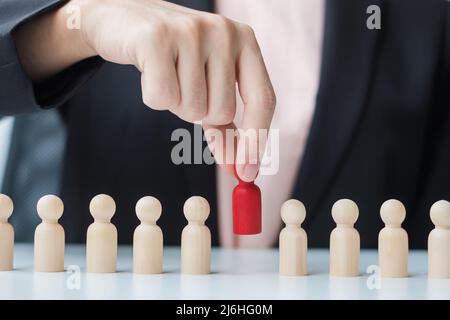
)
(194, 114)
(223, 24)
(267, 100)
(156, 30)
(222, 32)
(147, 99)
(172, 99)
(168, 101)
(224, 117)
(162, 102)
(193, 109)
(192, 27)
(227, 36)
(247, 32)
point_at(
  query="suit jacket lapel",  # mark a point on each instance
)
(347, 62)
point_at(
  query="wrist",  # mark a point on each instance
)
(47, 44)
(68, 21)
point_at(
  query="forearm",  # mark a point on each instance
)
(46, 45)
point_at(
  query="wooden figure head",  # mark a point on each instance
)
(293, 212)
(196, 209)
(393, 212)
(50, 208)
(102, 208)
(345, 211)
(6, 207)
(440, 214)
(148, 210)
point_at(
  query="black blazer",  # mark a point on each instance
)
(381, 128)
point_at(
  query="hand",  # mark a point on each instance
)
(190, 62)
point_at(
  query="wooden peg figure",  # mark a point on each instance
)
(49, 237)
(344, 240)
(293, 240)
(439, 241)
(6, 234)
(196, 238)
(393, 241)
(148, 238)
(246, 204)
(101, 243)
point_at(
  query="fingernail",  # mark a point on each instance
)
(249, 173)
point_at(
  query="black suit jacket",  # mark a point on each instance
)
(381, 127)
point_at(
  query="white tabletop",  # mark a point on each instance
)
(237, 274)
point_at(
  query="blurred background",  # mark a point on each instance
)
(362, 109)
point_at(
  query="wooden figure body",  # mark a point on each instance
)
(344, 240)
(196, 238)
(439, 241)
(247, 212)
(49, 237)
(101, 243)
(6, 234)
(148, 238)
(393, 241)
(293, 240)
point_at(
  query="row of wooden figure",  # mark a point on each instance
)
(101, 243)
(345, 241)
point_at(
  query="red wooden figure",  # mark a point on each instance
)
(247, 217)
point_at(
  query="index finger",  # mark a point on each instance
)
(259, 100)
